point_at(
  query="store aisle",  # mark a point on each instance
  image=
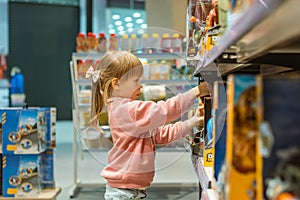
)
(64, 173)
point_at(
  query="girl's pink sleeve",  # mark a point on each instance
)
(153, 114)
(169, 133)
(140, 116)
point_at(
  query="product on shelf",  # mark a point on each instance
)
(211, 37)
(81, 42)
(46, 163)
(280, 133)
(113, 42)
(154, 42)
(198, 12)
(28, 151)
(82, 67)
(21, 175)
(219, 126)
(145, 43)
(102, 42)
(92, 42)
(1, 172)
(243, 160)
(125, 42)
(223, 6)
(154, 92)
(177, 43)
(134, 43)
(166, 43)
(94, 139)
(213, 18)
(23, 131)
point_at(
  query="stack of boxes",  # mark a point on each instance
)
(28, 142)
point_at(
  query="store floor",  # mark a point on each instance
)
(89, 170)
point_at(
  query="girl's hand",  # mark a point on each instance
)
(204, 89)
(196, 118)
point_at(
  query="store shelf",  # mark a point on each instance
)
(152, 56)
(247, 21)
(279, 32)
(44, 195)
(205, 177)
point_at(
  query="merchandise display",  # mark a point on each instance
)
(243, 160)
(251, 109)
(150, 43)
(28, 143)
(247, 146)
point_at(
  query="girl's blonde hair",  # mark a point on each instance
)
(114, 64)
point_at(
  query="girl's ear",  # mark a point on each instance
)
(115, 83)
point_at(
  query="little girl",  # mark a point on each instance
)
(136, 126)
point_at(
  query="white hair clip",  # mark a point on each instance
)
(92, 73)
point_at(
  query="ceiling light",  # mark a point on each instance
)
(144, 26)
(139, 21)
(118, 23)
(120, 28)
(128, 19)
(136, 15)
(129, 25)
(116, 17)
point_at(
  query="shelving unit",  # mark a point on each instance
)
(205, 176)
(79, 106)
(264, 39)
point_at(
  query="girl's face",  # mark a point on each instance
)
(131, 88)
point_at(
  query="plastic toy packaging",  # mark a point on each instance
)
(198, 11)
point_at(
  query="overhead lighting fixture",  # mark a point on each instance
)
(144, 26)
(116, 17)
(139, 21)
(120, 28)
(129, 25)
(128, 19)
(130, 30)
(118, 23)
(136, 15)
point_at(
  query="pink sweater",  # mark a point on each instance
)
(136, 127)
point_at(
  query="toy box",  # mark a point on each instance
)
(281, 144)
(47, 169)
(21, 175)
(219, 125)
(0, 137)
(23, 131)
(243, 159)
(1, 178)
(50, 113)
